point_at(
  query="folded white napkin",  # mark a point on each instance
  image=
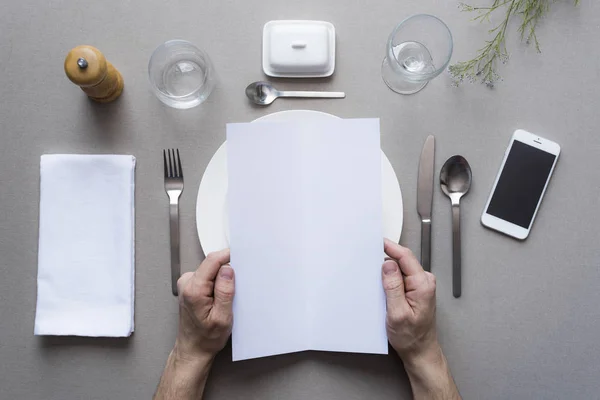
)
(86, 245)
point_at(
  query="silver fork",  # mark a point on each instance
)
(174, 187)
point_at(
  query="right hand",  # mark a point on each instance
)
(410, 298)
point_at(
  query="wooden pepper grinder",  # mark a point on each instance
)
(87, 67)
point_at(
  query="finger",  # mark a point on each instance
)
(415, 282)
(393, 286)
(406, 259)
(207, 271)
(431, 283)
(224, 292)
(183, 281)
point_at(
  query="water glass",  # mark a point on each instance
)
(418, 50)
(181, 75)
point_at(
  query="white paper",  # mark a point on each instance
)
(86, 259)
(305, 221)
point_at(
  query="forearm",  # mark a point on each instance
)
(430, 376)
(184, 376)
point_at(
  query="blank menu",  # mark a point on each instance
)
(305, 221)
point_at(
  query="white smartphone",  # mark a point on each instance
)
(520, 184)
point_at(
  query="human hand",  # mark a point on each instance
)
(410, 298)
(205, 322)
(205, 307)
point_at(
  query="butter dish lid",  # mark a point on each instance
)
(298, 49)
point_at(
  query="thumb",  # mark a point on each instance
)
(224, 291)
(393, 285)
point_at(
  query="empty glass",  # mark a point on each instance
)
(418, 50)
(181, 75)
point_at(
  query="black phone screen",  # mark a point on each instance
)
(521, 184)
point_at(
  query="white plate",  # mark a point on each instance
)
(211, 205)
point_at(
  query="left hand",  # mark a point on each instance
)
(205, 307)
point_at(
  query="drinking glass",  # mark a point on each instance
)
(418, 50)
(181, 75)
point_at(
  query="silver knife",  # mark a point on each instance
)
(425, 198)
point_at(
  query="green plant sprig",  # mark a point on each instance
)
(483, 67)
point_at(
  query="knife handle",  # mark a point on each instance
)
(426, 244)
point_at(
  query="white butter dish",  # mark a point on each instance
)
(298, 49)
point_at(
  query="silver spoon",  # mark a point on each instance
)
(263, 93)
(455, 180)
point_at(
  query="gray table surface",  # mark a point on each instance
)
(528, 321)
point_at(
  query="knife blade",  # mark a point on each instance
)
(425, 198)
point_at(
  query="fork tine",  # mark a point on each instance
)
(175, 170)
(174, 163)
(165, 163)
(179, 164)
(173, 167)
(171, 175)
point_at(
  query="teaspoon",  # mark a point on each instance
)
(263, 93)
(455, 180)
